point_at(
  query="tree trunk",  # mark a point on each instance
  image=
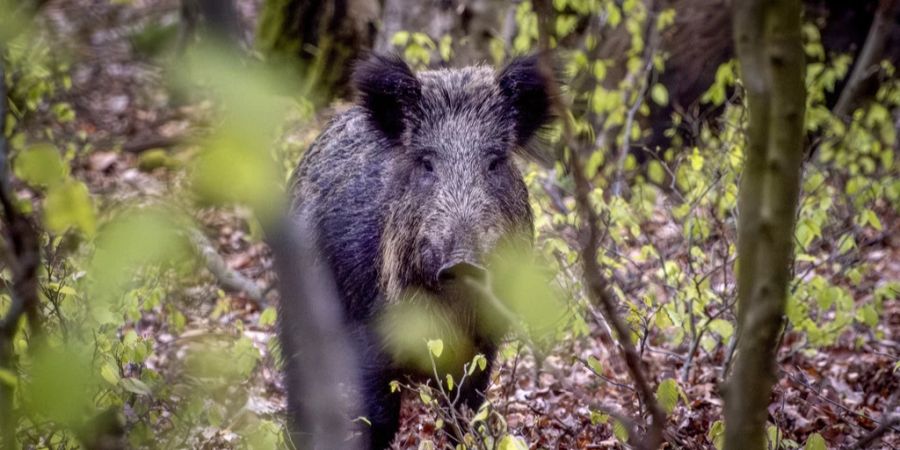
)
(770, 52)
(321, 39)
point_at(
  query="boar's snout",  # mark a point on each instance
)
(459, 270)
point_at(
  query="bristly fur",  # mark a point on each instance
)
(419, 175)
(526, 88)
(386, 88)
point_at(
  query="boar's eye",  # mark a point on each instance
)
(496, 162)
(427, 165)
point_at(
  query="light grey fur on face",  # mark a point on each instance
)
(472, 196)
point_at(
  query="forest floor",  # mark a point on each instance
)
(125, 111)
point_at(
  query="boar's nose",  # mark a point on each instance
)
(461, 270)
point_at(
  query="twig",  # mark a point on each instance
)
(867, 61)
(142, 145)
(889, 419)
(594, 279)
(603, 377)
(512, 377)
(228, 278)
(451, 404)
(825, 398)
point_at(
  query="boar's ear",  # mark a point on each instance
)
(527, 89)
(387, 90)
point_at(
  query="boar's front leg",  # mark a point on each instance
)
(380, 406)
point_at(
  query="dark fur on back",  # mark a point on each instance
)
(416, 178)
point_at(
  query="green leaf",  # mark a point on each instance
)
(482, 414)
(599, 70)
(667, 395)
(64, 112)
(135, 239)
(449, 382)
(510, 442)
(110, 373)
(8, 378)
(594, 163)
(716, 434)
(655, 172)
(153, 159)
(696, 159)
(848, 243)
(436, 347)
(68, 205)
(41, 165)
(425, 396)
(774, 434)
(268, 317)
(595, 365)
(400, 39)
(598, 417)
(815, 441)
(227, 171)
(872, 219)
(445, 47)
(620, 432)
(477, 361)
(659, 94)
(395, 386)
(868, 315)
(482, 361)
(63, 399)
(135, 386)
(722, 327)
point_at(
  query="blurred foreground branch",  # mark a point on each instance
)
(597, 286)
(23, 259)
(316, 353)
(770, 52)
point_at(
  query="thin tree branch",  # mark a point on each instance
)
(869, 57)
(596, 283)
(228, 278)
(888, 419)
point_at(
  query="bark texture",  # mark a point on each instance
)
(321, 39)
(770, 54)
